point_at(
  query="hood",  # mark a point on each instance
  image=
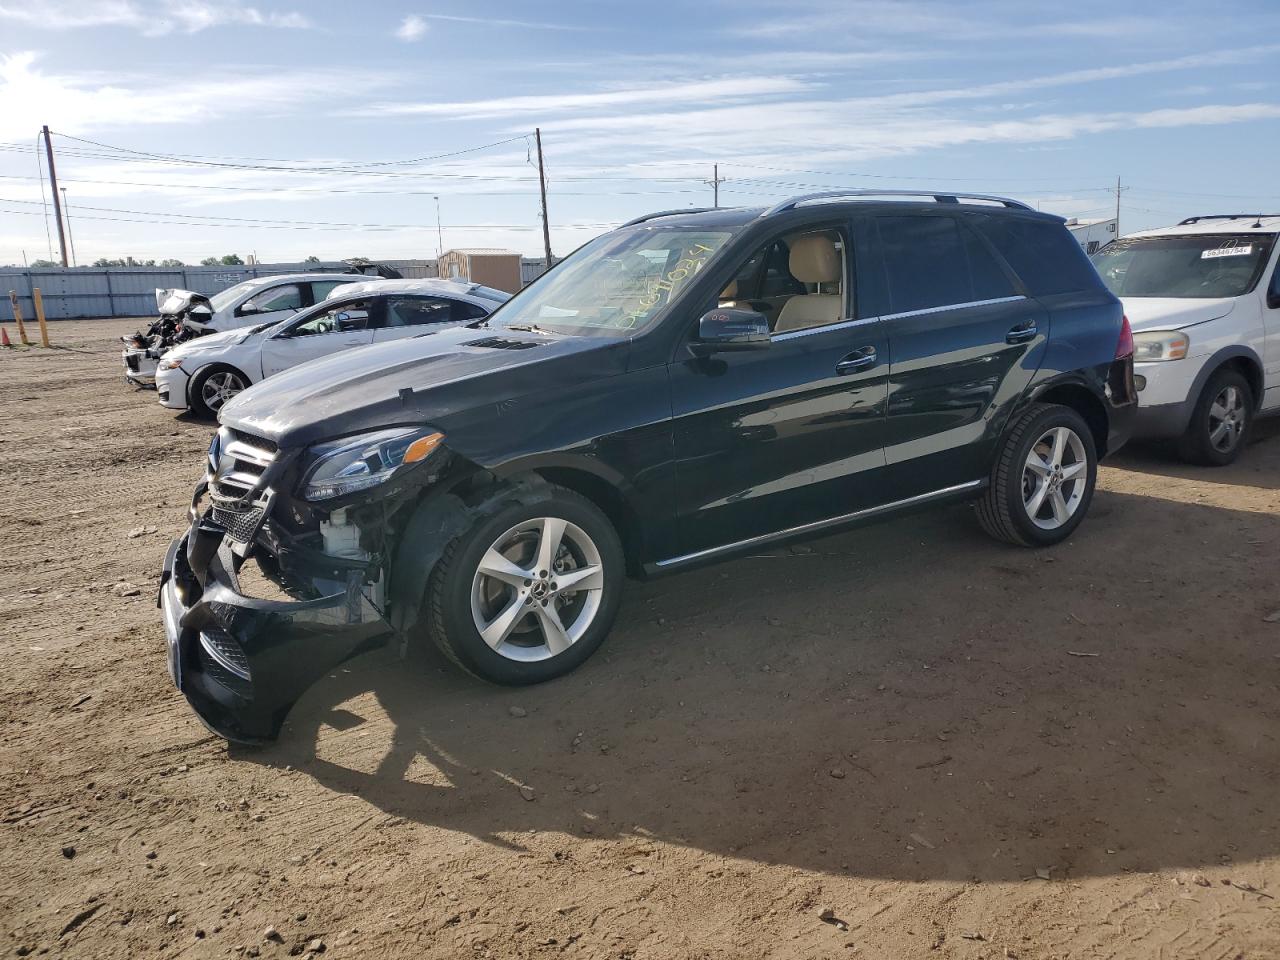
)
(421, 380)
(1172, 313)
(211, 341)
(173, 301)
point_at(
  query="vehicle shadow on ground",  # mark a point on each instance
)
(1253, 469)
(907, 701)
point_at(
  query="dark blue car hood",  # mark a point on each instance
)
(423, 380)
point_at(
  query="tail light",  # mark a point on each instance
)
(1125, 347)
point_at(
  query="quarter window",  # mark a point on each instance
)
(934, 262)
(1043, 254)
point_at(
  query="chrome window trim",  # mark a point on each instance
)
(952, 306)
(807, 331)
(821, 524)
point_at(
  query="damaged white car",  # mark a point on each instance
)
(204, 373)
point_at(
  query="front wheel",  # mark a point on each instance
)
(1043, 478)
(1219, 422)
(528, 593)
(211, 389)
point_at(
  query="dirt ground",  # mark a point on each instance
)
(962, 749)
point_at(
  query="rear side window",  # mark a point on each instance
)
(936, 262)
(1044, 255)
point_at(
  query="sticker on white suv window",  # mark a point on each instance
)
(1227, 252)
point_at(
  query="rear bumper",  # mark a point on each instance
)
(242, 662)
(1122, 402)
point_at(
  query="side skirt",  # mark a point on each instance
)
(960, 491)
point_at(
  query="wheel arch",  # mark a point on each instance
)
(1084, 401)
(1235, 357)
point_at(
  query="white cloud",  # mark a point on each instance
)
(497, 22)
(155, 18)
(75, 104)
(673, 94)
(412, 28)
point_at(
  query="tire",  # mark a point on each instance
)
(1039, 502)
(462, 599)
(1213, 439)
(203, 400)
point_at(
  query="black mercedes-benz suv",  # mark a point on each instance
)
(691, 385)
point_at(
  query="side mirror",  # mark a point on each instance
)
(247, 309)
(726, 329)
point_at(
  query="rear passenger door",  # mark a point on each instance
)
(964, 343)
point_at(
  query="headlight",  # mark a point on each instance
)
(170, 363)
(360, 462)
(1166, 345)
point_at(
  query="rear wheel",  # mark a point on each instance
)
(530, 592)
(211, 389)
(1220, 421)
(1043, 480)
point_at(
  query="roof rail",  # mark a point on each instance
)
(793, 202)
(1226, 216)
(667, 213)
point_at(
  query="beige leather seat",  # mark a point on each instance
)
(729, 297)
(814, 259)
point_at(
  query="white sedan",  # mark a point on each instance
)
(204, 373)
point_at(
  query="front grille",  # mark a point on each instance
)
(243, 459)
(224, 647)
(240, 525)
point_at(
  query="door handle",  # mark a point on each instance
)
(353, 343)
(1022, 333)
(864, 358)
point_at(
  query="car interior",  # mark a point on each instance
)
(796, 281)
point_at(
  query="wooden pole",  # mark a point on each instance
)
(542, 184)
(39, 302)
(17, 316)
(57, 203)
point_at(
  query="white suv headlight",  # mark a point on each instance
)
(363, 461)
(1160, 345)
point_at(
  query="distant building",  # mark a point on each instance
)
(1092, 235)
(494, 268)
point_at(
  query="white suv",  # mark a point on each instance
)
(1203, 300)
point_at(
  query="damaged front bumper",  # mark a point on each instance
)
(240, 661)
(140, 366)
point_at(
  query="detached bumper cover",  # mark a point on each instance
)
(242, 662)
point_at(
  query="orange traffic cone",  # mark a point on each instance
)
(4, 338)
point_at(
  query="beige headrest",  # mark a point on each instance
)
(814, 259)
(730, 292)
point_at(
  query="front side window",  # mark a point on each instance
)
(342, 318)
(932, 262)
(286, 297)
(1203, 266)
(616, 285)
(796, 281)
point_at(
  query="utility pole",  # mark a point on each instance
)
(57, 204)
(66, 205)
(1119, 190)
(715, 185)
(542, 185)
(439, 235)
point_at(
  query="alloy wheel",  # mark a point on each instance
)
(537, 589)
(1054, 478)
(220, 387)
(1227, 418)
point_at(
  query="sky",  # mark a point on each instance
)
(188, 128)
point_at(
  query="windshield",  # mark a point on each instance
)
(224, 298)
(1205, 266)
(615, 285)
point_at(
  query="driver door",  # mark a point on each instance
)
(339, 327)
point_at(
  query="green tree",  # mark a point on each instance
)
(232, 260)
(210, 262)
(45, 263)
(171, 262)
(312, 259)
